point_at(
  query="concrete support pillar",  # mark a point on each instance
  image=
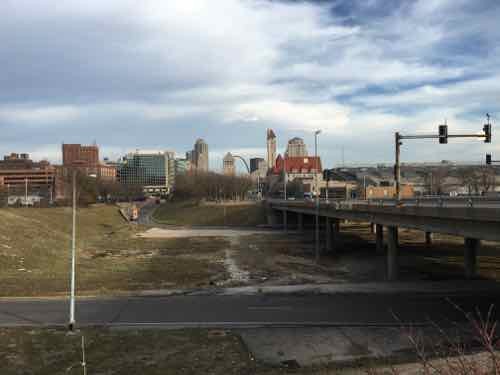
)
(329, 235)
(470, 263)
(335, 228)
(379, 229)
(392, 254)
(272, 218)
(428, 238)
(336, 225)
(300, 222)
(285, 221)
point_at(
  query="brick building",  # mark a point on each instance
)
(80, 155)
(19, 173)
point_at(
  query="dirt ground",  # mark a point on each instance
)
(273, 258)
(114, 257)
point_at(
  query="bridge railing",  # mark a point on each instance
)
(427, 201)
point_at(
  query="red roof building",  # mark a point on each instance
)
(298, 165)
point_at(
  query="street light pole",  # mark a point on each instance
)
(73, 265)
(397, 170)
(284, 175)
(316, 133)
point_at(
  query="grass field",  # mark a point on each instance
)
(146, 352)
(35, 254)
(190, 213)
(50, 351)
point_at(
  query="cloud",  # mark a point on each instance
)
(33, 115)
(159, 74)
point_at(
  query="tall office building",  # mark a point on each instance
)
(201, 155)
(228, 165)
(147, 169)
(296, 147)
(198, 157)
(271, 149)
(256, 164)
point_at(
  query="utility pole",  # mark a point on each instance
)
(316, 133)
(73, 260)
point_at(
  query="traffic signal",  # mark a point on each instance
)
(487, 133)
(443, 134)
(488, 159)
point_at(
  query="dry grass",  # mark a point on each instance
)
(190, 213)
(146, 352)
(35, 249)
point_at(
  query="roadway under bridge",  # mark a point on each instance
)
(473, 219)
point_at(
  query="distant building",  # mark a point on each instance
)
(380, 192)
(271, 149)
(306, 169)
(229, 165)
(147, 169)
(20, 175)
(78, 155)
(86, 159)
(256, 164)
(181, 166)
(198, 156)
(296, 148)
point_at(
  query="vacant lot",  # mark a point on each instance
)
(35, 254)
(115, 257)
(191, 213)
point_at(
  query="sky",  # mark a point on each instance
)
(158, 74)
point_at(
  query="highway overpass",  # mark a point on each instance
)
(475, 219)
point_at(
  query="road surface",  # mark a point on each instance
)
(241, 311)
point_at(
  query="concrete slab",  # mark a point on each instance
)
(343, 345)
(306, 346)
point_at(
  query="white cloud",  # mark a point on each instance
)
(33, 115)
(295, 66)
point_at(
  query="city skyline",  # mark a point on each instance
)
(358, 71)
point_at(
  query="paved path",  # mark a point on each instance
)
(245, 311)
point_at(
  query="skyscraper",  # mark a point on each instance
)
(228, 165)
(201, 153)
(271, 148)
(198, 157)
(296, 147)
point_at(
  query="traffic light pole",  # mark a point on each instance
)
(443, 138)
(397, 170)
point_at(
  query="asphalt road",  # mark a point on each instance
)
(256, 310)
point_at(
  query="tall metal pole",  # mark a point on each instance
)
(317, 193)
(364, 187)
(84, 364)
(73, 254)
(397, 173)
(284, 175)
